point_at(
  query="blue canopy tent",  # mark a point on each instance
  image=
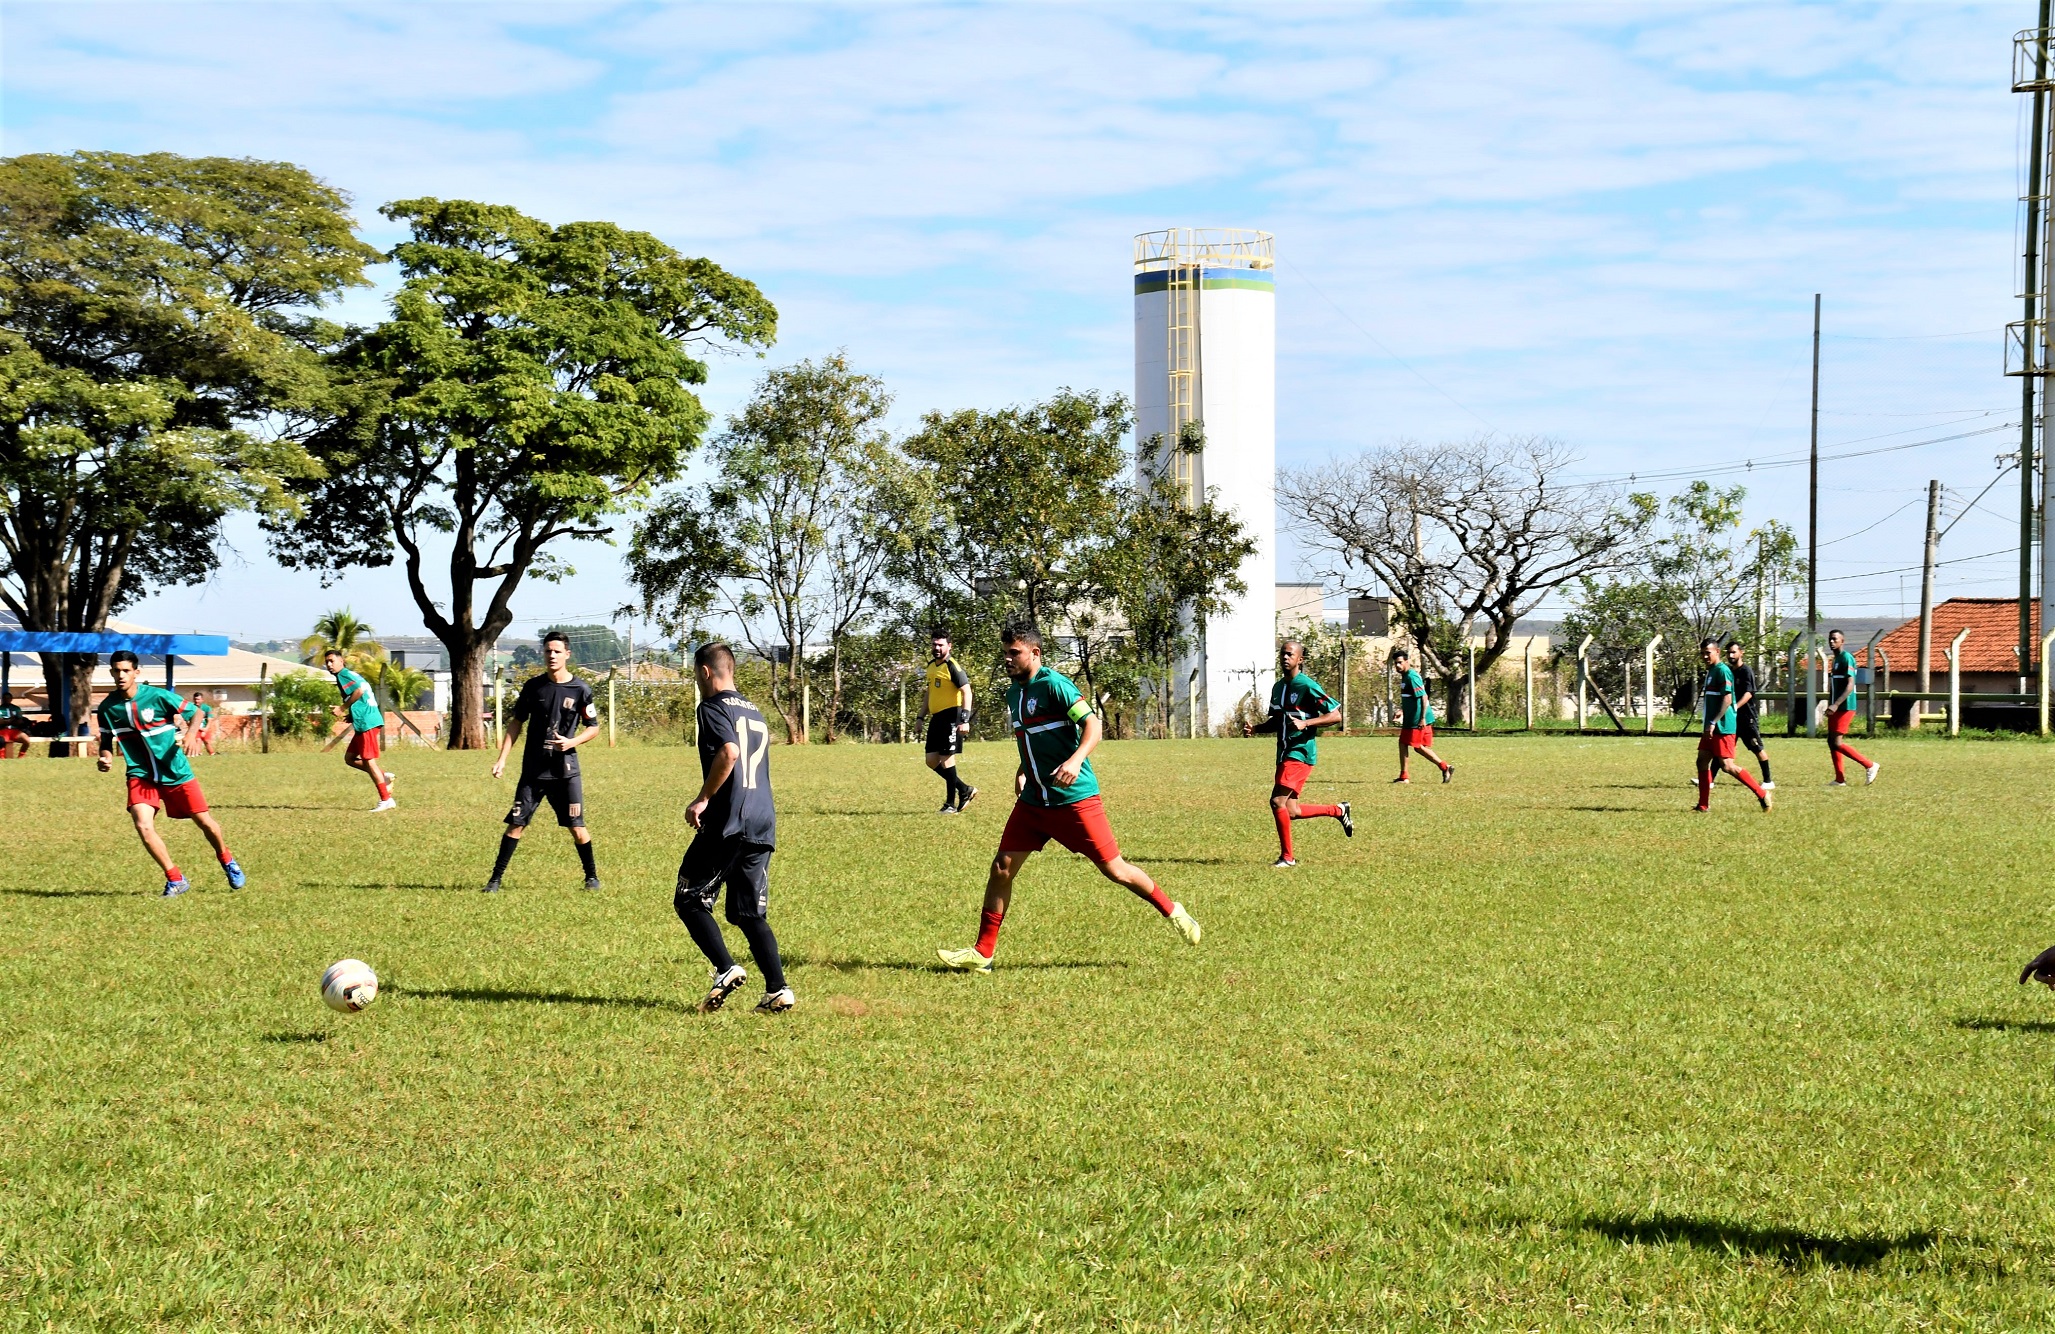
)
(147, 647)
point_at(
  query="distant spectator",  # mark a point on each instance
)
(14, 728)
(201, 732)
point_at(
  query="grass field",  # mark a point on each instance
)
(1539, 1050)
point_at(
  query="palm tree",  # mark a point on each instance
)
(340, 629)
(403, 685)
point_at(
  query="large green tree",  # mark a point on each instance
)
(159, 357)
(532, 383)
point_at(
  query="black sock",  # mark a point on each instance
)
(956, 779)
(507, 844)
(705, 931)
(585, 857)
(1764, 761)
(948, 785)
(764, 946)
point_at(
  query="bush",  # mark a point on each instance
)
(297, 704)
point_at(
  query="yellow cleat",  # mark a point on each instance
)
(966, 960)
(1187, 926)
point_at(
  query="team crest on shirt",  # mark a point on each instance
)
(149, 715)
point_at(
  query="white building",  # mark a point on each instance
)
(1206, 354)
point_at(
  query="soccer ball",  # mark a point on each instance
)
(349, 985)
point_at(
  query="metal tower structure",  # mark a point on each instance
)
(2028, 352)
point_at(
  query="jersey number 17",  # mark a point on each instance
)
(753, 741)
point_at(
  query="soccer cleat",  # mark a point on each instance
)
(1838, 782)
(592, 882)
(236, 878)
(724, 985)
(1402, 779)
(1702, 810)
(1870, 775)
(777, 1002)
(1284, 863)
(175, 886)
(1348, 822)
(491, 886)
(966, 960)
(1187, 926)
(1767, 801)
(948, 808)
(969, 795)
(1448, 773)
(387, 805)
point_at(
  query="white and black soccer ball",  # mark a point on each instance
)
(349, 985)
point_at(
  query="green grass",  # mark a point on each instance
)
(1542, 1049)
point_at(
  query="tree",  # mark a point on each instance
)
(1702, 577)
(795, 528)
(1463, 537)
(532, 383)
(158, 359)
(342, 630)
(403, 687)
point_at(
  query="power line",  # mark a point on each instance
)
(1902, 569)
(1765, 465)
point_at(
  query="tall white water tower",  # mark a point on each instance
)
(1206, 353)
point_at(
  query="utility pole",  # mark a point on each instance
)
(2027, 387)
(1926, 599)
(1812, 513)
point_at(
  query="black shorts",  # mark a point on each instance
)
(943, 738)
(745, 868)
(566, 796)
(1748, 728)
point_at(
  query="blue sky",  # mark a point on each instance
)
(1600, 223)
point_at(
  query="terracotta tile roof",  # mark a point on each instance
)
(1993, 625)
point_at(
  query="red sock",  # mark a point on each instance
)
(226, 856)
(1316, 812)
(1704, 788)
(1853, 754)
(173, 874)
(988, 932)
(1748, 781)
(1284, 830)
(1155, 895)
(1840, 774)
(384, 789)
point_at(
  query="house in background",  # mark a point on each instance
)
(1990, 660)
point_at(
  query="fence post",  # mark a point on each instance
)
(1648, 682)
(2047, 641)
(1191, 704)
(1791, 685)
(1870, 660)
(1583, 670)
(264, 688)
(1471, 703)
(1955, 682)
(1347, 659)
(806, 708)
(498, 700)
(902, 708)
(1812, 687)
(610, 708)
(1528, 667)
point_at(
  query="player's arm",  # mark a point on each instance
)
(106, 760)
(717, 773)
(1330, 718)
(508, 736)
(968, 695)
(1271, 722)
(1090, 730)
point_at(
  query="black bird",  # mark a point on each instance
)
(2042, 969)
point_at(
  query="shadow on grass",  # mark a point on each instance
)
(894, 810)
(1607, 809)
(937, 966)
(387, 884)
(1788, 1246)
(295, 1037)
(1144, 859)
(261, 806)
(502, 996)
(1978, 1025)
(67, 893)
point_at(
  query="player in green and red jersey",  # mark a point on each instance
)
(1056, 730)
(14, 728)
(1416, 718)
(145, 721)
(1716, 744)
(201, 733)
(1299, 708)
(1841, 712)
(367, 724)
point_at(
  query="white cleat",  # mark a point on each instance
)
(1187, 926)
(1870, 775)
(966, 960)
(724, 985)
(1284, 863)
(777, 1002)
(387, 805)
(1838, 782)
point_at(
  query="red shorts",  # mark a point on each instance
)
(1839, 723)
(1417, 736)
(180, 803)
(364, 745)
(1292, 776)
(1720, 745)
(9, 735)
(1080, 826)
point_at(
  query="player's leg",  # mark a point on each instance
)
(567, 799)
(1837, 737)
(749, 901)
(526, 799)
(1746, 778)
(700, 874)
(145, 817)
(1753, 740)
(1281, 813)
(1705, 773)
(211, 828)
(1435, 760)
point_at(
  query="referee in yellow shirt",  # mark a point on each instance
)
(948, 723)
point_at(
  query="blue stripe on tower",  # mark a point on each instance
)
(1211, 280)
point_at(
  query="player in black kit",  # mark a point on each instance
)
(560, 715)
(1747, 725)
(738, 830)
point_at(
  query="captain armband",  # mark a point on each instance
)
(1080, 711)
